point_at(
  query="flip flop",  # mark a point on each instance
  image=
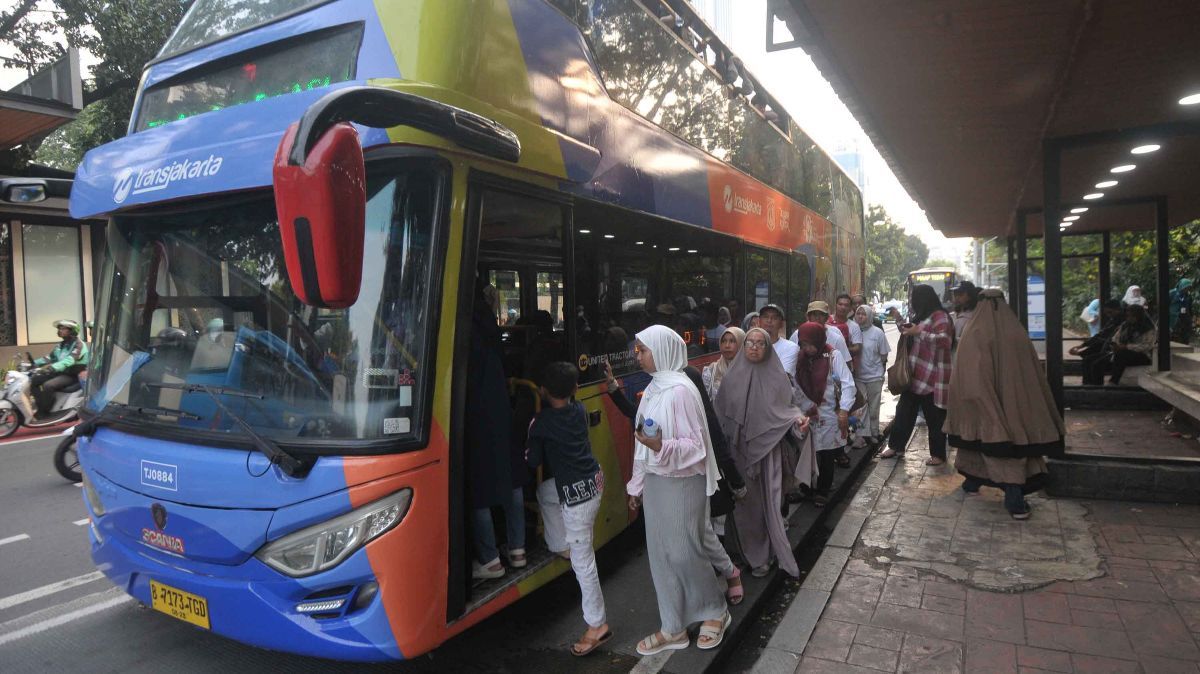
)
(716, 635)
(589, 643)
(658, 642)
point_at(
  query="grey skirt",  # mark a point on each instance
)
(676, 511)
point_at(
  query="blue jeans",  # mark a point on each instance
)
(485, 534)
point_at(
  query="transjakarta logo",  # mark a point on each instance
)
(142, 181)
(736, 203)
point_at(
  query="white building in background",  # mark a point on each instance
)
(719, 15)
(853, 161)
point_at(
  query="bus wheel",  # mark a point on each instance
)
(66, 460)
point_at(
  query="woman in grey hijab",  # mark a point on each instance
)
(750, 321)
(756, 413)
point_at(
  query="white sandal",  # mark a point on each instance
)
(659, 642)
(715, 635)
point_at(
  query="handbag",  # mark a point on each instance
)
(860, 401)
(899, 375)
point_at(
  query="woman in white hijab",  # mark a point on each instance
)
(674, 473)
(1133, 296)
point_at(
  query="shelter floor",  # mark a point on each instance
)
(1131, 434)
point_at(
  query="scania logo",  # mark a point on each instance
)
(123, 185)
(160, 515)
(728, 199)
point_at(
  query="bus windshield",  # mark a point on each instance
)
(199, 300)
(209, 20)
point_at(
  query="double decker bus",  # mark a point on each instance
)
(311, 199)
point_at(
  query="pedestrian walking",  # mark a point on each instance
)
(674, 473)
(826, 396)
(757, 417)
(872, 368)
(1003, 419)
(930, 336)
(1181, 312)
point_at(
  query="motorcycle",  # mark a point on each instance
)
(17, 407)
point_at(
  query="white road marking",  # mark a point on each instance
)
(102, 602)
(14, 539)
(34, 439)
(81, 522)
(45, 590)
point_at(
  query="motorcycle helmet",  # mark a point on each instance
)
(69, 324)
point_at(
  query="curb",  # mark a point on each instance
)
(791, 636)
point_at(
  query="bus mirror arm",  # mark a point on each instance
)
(378, 107)
(320, 181)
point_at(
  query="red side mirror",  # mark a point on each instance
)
(322, 205)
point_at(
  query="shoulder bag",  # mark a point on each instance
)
(899, 375)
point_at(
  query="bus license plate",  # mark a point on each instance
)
(179, 604)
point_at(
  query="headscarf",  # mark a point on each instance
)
(746, 321)
(723, 316)
(812, 372)
(721, 366)
(1093, 310)
(755, 406)
(666, 382)
(869, 312)
(1133, 296)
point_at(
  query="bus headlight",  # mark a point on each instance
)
(325, 545)
(93, 498)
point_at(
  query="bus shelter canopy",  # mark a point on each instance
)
(960, 95)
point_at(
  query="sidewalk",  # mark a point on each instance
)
(919, 577)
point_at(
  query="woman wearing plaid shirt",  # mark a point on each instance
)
(931, 338)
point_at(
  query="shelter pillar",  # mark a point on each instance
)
(1011, 268)
(1162, 251)
(1052, 240)
(1021, 289)
(1106, 267)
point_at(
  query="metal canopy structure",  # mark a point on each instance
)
(42, 103)
(999, 115)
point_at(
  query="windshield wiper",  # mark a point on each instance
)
(113, 409)
(290, 465)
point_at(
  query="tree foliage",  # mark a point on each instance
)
(891, 253)
(122, 34)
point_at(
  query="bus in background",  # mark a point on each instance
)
(941, 279)
(311, 200)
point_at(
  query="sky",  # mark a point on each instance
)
(798, 85)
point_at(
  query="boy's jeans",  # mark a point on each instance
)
(570, 528)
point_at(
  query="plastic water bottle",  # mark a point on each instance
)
(650, 428)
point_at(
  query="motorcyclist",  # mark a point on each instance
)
(61, 368)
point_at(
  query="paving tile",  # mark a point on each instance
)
(1047, 607)
(818, 666)
(1152, 552)
(1143, 574)
(1076, 639)
(849, 606)
(1181, 586)
(1153, 664)
(950, 590)
(831, 640)
(1157, 629)
(1190, 612)
(879, 637)
(985, 656)
(923, 655)
(860, 567)
(1043, 659)
(992, 615)
(1109, 621)
(943, 604)
(875, 658)
(1093, 664)
(1112, 588)
(902, 591)
(919, 621)
(1099, 604)
(1125, 561)
(796, 627)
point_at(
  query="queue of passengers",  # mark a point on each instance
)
(765, 424)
